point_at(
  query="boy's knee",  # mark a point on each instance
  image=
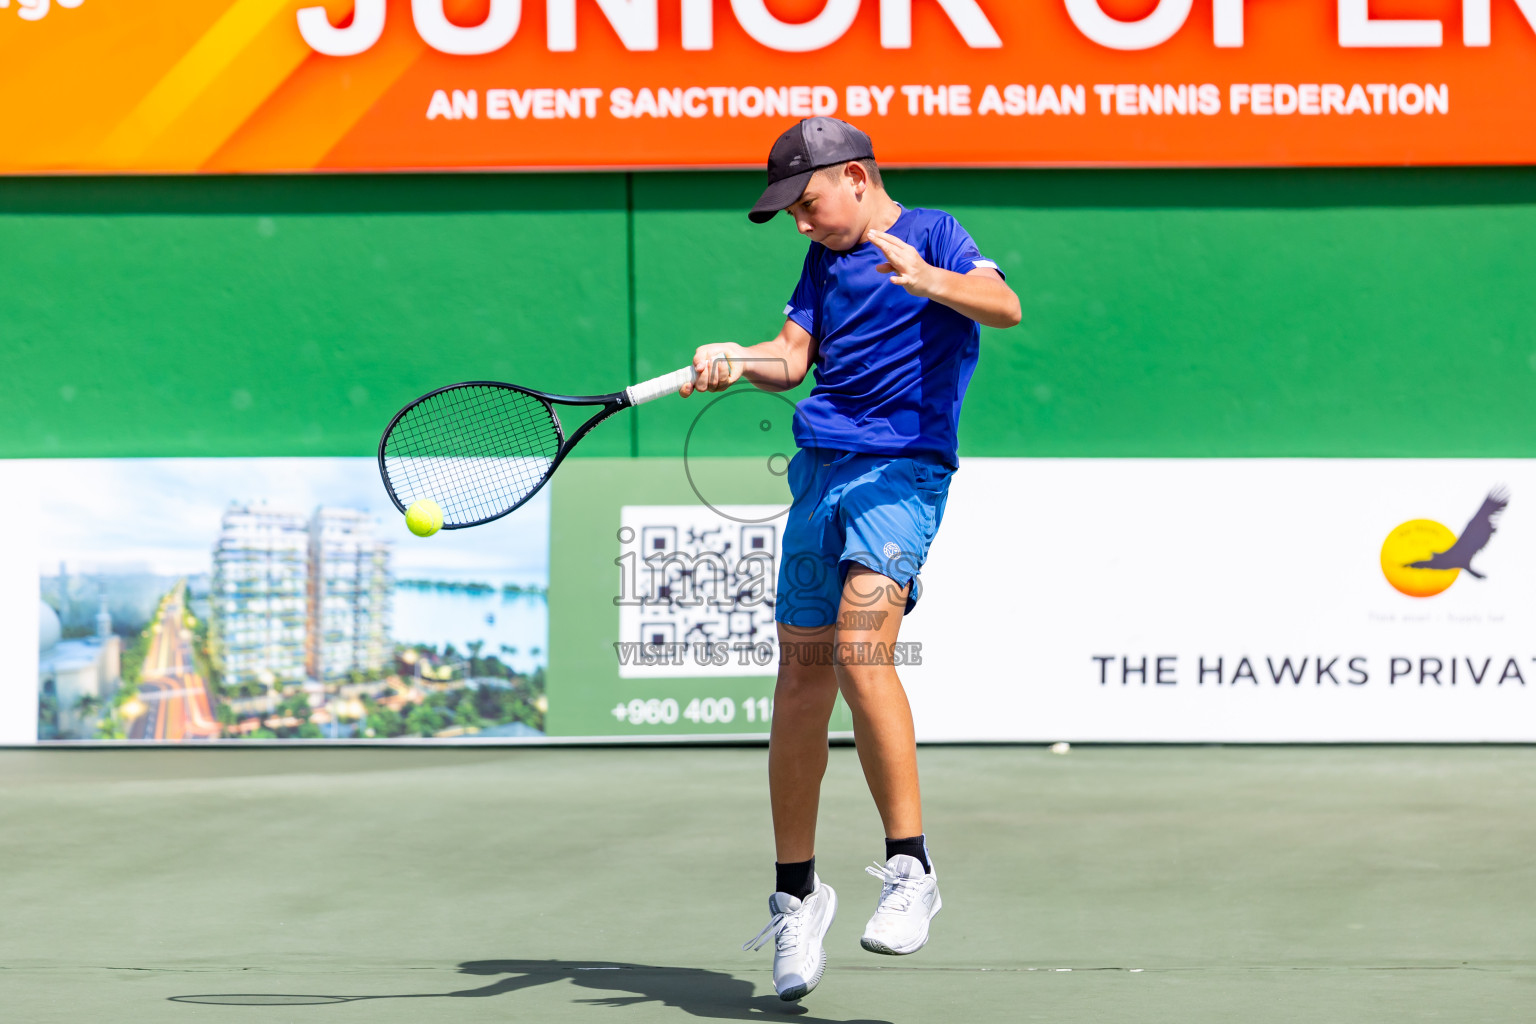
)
(858, 676)
(804, 686)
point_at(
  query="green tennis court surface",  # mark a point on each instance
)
(1112, 884)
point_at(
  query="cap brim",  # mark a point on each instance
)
(781, 195)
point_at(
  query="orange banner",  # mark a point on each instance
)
(287, 85)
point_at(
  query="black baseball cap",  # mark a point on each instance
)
(806, 148)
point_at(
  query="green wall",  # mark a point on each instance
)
(1166, 313)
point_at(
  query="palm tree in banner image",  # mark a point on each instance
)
(465, 713)
(86, 707)
(109, 728)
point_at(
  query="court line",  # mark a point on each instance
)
(1487, 967)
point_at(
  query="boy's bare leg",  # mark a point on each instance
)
(797, 739)
(871, 613)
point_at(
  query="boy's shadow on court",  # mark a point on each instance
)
(697, 992)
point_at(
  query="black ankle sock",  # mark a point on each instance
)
(917, 847)
(799, 879)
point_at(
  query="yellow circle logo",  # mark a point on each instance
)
(1417, 540)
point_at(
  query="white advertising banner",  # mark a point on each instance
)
(1082, 600)
(19, 609)
(1230, 600)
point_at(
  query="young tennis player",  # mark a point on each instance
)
(886, 310)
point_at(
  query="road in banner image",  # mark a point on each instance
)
(174, 697)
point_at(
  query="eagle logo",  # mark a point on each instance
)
(1422, 558)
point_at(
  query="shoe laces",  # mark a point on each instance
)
(784, 928)
(899, 889)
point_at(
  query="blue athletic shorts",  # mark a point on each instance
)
(879, 511)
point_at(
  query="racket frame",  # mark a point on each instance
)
(613, 403)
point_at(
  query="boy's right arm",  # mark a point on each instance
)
(777, 365)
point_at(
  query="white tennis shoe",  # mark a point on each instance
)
(908, 901)
(798, 928)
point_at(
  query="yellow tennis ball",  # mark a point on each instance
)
(424, 518)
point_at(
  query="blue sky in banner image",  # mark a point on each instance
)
(162, 516)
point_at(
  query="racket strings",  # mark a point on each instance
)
(476, 450)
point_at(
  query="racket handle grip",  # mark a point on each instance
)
(660, 387)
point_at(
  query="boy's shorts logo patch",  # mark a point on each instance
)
(890, 549)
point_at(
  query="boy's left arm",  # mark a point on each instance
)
(982, 294)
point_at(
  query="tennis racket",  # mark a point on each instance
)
(481, 449)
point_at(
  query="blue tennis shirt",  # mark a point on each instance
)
(891, 368)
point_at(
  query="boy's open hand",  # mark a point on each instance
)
(718, 366)
(905, 264)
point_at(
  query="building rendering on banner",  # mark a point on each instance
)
(295, 598)
(349, 590)
(259, 596)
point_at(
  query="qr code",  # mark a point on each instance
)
(698, 591)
